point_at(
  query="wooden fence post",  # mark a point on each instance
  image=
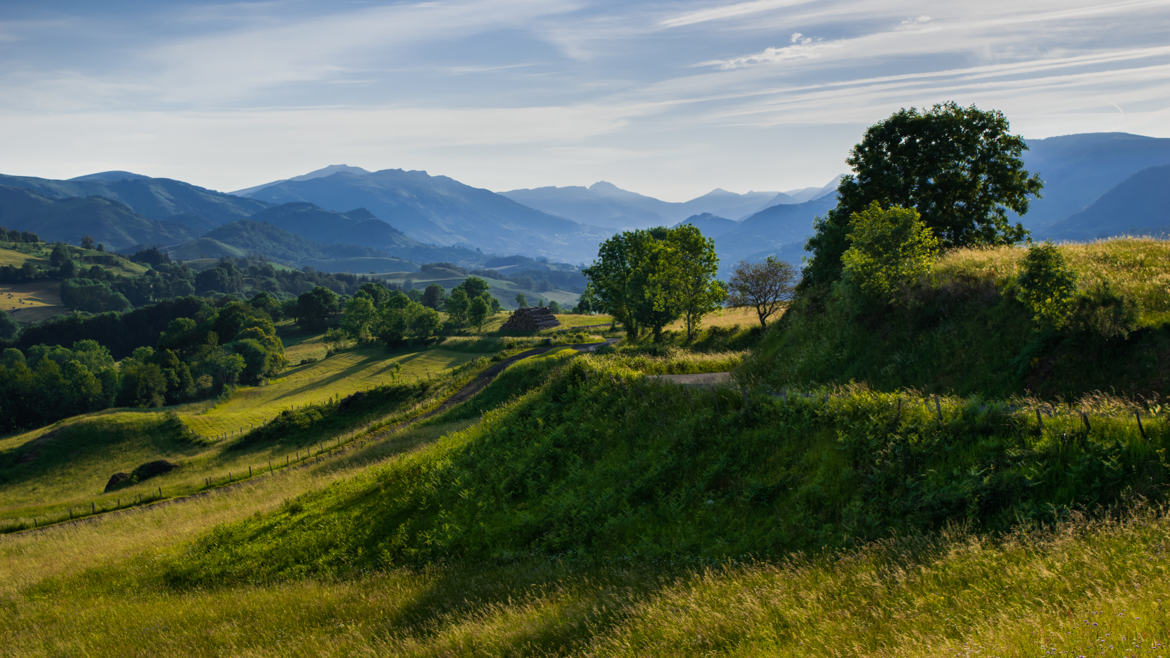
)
(1039, 420)
(1141, 429)
(1085, 418)
(938, 410)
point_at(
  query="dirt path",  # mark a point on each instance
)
(463, 394)
(704, 379)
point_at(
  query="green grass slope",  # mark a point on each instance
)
(962, 331)
(602, 465)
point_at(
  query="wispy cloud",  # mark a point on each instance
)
(723, 12)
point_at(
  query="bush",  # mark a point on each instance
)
(1104, 312)
(1047, 286)
(889, 250)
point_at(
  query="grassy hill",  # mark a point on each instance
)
(941, 340)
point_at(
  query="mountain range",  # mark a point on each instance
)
(1096, 185)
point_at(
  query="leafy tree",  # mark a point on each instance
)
(648, 278)
(433, 296)
(8, 327)
(477, 312)
(359, 317)
(692, 270)
(1047, 285)
(959, 167)
(457, 306)
(474, 286)
(764, 286)
(87, 242)
(521, 300)
(889, 249)
(59, 255)
(554, 306)
(315, 308)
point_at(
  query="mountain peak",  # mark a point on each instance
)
(330, 170)
(110, 176)
(604, 186)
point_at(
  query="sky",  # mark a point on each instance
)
(670, 99)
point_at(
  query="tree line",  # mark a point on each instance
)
(194, 357)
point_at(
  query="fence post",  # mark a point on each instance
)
(160, 492)
(1039, 419)
(249, 470)
(92, 507)
(1138, 416)
(938, 410)
(1085, 418)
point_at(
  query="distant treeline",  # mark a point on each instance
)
(198, 352)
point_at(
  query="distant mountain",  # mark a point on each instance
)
(441, 210)
(722, 203)
(1139, 205)
(609, 206)
(710, 225)
(250, 237)
(160, 199)
(329, 227)
(601, 204)
(68, 220)
(806, 193)
(780, 230)
(318, 173)
(1078, 169)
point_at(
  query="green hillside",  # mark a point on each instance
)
(941, 340)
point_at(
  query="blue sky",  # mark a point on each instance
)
(665, 98)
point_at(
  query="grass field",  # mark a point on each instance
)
(735, 316)
(1082, 587)
(14, 258)
(343, 373)
(31, 302)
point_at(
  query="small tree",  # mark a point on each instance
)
(433, 296)
(521, 300)
(1047, 285)
(477, 312)
(458, 305)
(889, 249)
(764, 286)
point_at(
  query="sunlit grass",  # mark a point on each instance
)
(22, 296)
(735, 316)
(343, 373)
(1136, 267)
(13, 257)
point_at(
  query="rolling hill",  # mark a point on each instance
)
(69, 219)
(197, 208)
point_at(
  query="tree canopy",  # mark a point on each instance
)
(959, 167)
(649, 278)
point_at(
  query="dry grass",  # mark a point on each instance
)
(1136, 267)
(735, 316)
(13, 257)
(25, 296)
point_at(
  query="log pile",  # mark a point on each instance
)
(530, 320)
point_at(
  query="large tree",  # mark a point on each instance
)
(959, 167)
(763, 286)
(649, 278)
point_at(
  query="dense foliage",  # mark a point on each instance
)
(195, 357)
(648, 278)
(889, 250)
(959, 167)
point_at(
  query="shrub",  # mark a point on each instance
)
(1047, 286)
(889, 249)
